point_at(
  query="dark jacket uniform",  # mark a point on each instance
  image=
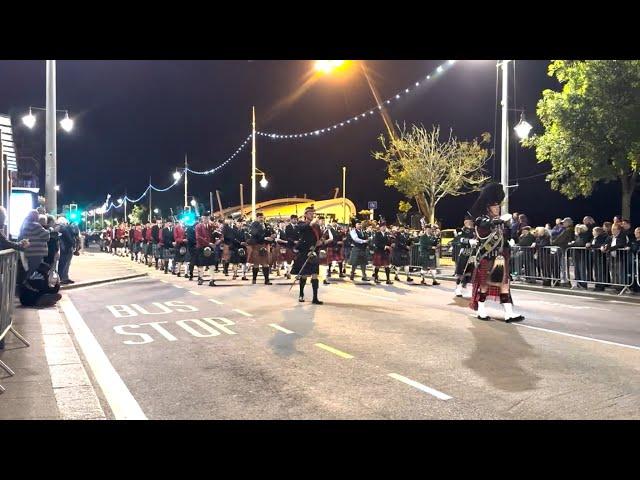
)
(400, 249)
(427, 249)
(381, 254)
(308, 237)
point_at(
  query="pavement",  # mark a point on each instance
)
(92, 267)
(162, 347)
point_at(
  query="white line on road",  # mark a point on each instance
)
(215, 301)
(164, 281)
(419, 386)
(242, 312)
(177, 286)
(122, 403)
(579, 336)
(194, 292)
(278, 327)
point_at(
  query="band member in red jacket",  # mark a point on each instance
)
(148, 252)
(180, 244)
(204, 248)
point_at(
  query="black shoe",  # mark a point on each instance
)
(422, 282)
(484, 318)
(212, 283)
(70, 281)
(200, 281)
(244, 278)
(253, 281)
(341, 276)
(519, 318)
(301, 299)
(396, 278)
(178, 274)
(409, 280)
(435, 283)
(375, 279)
(317, 302)
(389, 282)
(190, 278)
(352, 278)
(267, 282)
(325, 282)
(366, 279)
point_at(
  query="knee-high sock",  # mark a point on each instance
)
(364, 270)
(265, 272)
(314, 285)
(191, 265)
(375, 272)
(340, 268)
(303, 282)
(328, 271)
(255, 273)
(225, 267)
(387, 271)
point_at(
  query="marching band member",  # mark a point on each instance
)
(491, 275)
(307, 261)
(465, 241)
(400, 253)
(335, 251)
(427, 244)
(259, 247)
(382, 252)
(180, 245)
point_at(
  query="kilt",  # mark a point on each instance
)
(288, 255)
(255, 258)
(181, 258)
(201, 260)
(358, 256)
(481, 277)
(137, 247)
(400, 257)
(463, 266)
(381, 258)
(335, 255)
(311, 268)
(226, 252)
(165, 253)
(428, 258)
(155, 250)
(118, 243)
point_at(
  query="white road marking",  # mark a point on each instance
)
(419, 386)
(164, 281)
(278, 327)
(122, 403)
(215, 301)
(194, 292)
(242, 312)
(178, 286)
(579, 336)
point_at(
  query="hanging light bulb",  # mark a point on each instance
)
(176, 176)
(264, 182)
(66, 123)
(29, 120)
(522, 128)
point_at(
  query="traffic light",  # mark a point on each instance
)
(188, 217)
(73, 214)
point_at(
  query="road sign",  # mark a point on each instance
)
(373, 205)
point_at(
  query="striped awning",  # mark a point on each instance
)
(6, 137)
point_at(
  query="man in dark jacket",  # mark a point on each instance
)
(562, 240)
(67, 247)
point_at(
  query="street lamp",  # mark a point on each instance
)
(263, 182)
(156, 211)
(522, 128)
(193, 202)
(66, 123)
(57, 188)
(29, 120)
(176, 175)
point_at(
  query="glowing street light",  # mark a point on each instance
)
(29, 120)
(193, 202)
(155, 210)
(328, 66)
(66, 123)
(57, 188)
(120, 201)
(176, 176)
(523, 128)
(264, 182)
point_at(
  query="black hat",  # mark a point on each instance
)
(309, 208)
(490, 195)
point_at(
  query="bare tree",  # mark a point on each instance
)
(421, 166)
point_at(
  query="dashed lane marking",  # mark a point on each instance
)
(194, 292)
(215, 301)
(579, 336)
(178, 286)
(242, 312)
(419, 386)
(335, 351)
(122, 403)
(278, 327)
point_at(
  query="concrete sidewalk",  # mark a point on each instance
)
(92, 267)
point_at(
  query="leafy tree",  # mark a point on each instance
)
(592, 127)
(137, 214)
(421, 166)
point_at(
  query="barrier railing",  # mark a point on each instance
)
(614, 268)
(536, 263)
(8, 274)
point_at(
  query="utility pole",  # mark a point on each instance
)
(344, 194)
(211, 202)
(253, 164)
(150, 191)
(50, 140)
(504, 151)
(241, 201)
(186, 181)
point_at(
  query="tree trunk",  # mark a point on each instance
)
(628, 185)
(423, 207)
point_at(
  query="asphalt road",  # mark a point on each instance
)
(176, 350)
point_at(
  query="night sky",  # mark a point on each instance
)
(139, 118)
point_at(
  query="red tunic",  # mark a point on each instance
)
(178, 235)
(137, 236)
(203, 236)
(148, 237)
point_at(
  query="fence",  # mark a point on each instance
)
(8, 273)
(618, 268)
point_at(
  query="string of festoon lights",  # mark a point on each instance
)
(177, 176)
(367, 113)
(349, 121)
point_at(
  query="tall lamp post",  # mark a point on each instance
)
(253, 163)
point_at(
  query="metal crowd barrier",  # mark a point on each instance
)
(537, 263)
(606, 269)
(8, 273)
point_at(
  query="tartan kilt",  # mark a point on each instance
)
(311, 268)
(254, 257)
(155, 250)
(400, 257)
(181, 258)
(165, 253)
(358, 256)
(200, 260)
(335, 255)
(428, 259)
(481, 277)
(381, 258)
(118, 243)
(288, 255)
(137, 247)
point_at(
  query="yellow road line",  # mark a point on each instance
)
(333, 350)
